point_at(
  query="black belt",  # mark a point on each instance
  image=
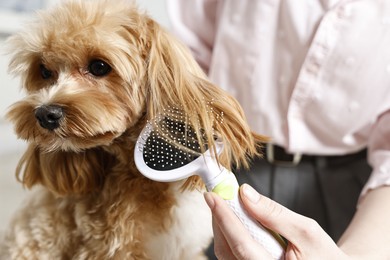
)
(277, 155)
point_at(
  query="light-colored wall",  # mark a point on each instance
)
(11, 192)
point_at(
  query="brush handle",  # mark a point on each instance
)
(228, 189)
(258, 232)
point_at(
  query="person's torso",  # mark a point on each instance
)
(313, 75)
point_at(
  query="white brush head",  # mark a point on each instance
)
(168, 149)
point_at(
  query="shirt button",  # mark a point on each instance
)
(313, 67)
(349, 61)
(383, 169)
(349, 140)
(317, 96)
(344, 12)
(353, 106)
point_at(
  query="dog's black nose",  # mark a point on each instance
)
(49, 116)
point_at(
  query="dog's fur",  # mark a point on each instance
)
(89, 201)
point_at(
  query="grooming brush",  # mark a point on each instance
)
(168, 149)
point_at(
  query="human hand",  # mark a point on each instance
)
(307, 240)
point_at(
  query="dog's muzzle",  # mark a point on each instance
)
(49, 116)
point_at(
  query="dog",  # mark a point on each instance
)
(94, 74)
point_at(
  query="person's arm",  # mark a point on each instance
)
(366, 238)
(195, 23)
(368, 235)
(369, 231)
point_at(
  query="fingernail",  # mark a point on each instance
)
(209, 199)
(250, 193)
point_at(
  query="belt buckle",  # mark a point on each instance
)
(270, 155)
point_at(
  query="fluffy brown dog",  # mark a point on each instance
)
(94, 73)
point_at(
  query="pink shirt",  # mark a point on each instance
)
(313, 75)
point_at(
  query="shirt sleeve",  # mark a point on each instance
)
(194, 23)
(379, 154)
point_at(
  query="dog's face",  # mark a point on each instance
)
(83, 67)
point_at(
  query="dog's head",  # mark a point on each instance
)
(94, 72)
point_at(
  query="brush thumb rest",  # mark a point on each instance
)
(226, 186)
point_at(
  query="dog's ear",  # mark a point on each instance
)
(63, 173)
(175, 79)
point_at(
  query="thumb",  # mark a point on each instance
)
(296, 228)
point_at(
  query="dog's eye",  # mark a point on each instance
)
(45, 73)
(99, 68)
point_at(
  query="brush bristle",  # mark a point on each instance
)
(170, 141)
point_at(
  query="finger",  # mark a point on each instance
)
(221, 246)
(296, 228)
(228, 222)
(237, 237)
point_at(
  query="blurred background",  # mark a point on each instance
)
(13, 14)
